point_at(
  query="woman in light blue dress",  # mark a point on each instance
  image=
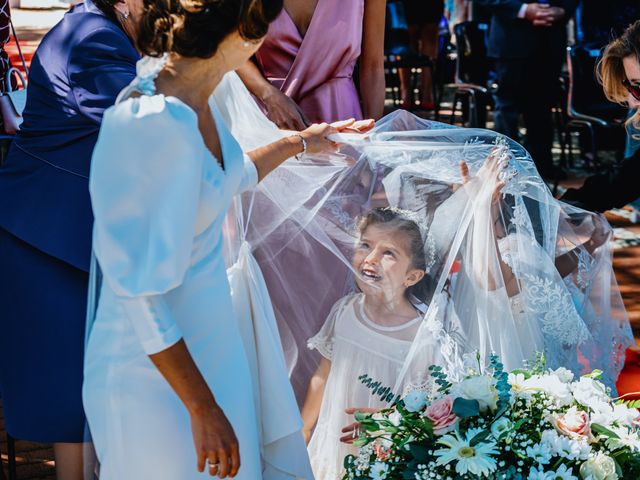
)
(165, 364)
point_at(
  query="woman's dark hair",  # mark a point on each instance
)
(403, 221)
(611, 68)
(195, 28)
(107, 7)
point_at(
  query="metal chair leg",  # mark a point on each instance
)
(11, 452)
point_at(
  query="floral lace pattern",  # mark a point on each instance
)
(585, 265)
(553, 305)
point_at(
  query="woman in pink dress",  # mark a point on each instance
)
(304, 71)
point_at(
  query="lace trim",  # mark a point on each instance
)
(322, 345)
(147, 70)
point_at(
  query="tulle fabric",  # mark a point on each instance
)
(528, 274)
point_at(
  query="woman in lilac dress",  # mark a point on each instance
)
(304, 70)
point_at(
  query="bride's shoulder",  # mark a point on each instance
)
(155, 115)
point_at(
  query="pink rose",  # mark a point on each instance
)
(573, 424)
(439, 412)
(382, 453)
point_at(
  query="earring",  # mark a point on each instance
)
(246, 44)
(124, 15)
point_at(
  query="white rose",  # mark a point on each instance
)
(482, 389)
(589, 392)
(379, 471)
(500, 427)
(600, 467)
(565, 375)
(552, 386)
(415, 400)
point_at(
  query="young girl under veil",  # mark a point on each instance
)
(367, 332)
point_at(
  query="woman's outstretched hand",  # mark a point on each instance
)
(215, 442)
(317, 139)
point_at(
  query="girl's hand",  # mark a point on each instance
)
(352, 431)
(494, 163)
(316, 138)
(284, 112)
(215, 442)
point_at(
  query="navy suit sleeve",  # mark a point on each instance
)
(569, 8)
(509, 8)
(606, 191)
(100, 66)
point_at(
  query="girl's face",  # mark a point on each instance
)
(382, 262)
(632, 71)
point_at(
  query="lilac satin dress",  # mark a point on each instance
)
(316, 70)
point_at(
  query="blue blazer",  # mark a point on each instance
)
(78, 70)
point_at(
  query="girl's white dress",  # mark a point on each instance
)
(159, 198)
(355, 345)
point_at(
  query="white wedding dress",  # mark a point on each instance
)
(160, 199)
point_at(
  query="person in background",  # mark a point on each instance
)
(300, 77)
(619, 73)
(7, 124)
(45, 225)
(528, 42)
(423, 18)
(598, 21)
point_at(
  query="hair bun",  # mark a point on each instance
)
(195, 28)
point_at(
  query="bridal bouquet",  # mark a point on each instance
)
(530, 424)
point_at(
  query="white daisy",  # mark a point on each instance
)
(563, 473)
(540, 453)
(476, 460)
(539, 474)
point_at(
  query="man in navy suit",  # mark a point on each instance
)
(46, 223)
(528, 42)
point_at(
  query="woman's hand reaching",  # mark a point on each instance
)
(316, 137)
(283, 111)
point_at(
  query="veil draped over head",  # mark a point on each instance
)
(514, 273)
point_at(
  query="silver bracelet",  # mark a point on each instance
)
(304, 145)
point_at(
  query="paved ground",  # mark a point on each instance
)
(35, 460)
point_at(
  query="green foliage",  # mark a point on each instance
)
(502, 382)
(385, 393)
(466, 408)
(440, 378)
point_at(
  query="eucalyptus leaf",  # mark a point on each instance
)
(464, 408)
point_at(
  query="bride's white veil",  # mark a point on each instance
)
(516, 276)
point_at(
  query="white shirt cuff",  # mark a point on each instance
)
(523, 11)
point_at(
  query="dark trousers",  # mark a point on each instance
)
(528, 87)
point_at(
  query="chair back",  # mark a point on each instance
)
(585, 94)
(473, 63)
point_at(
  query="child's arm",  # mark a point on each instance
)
(313, 400)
